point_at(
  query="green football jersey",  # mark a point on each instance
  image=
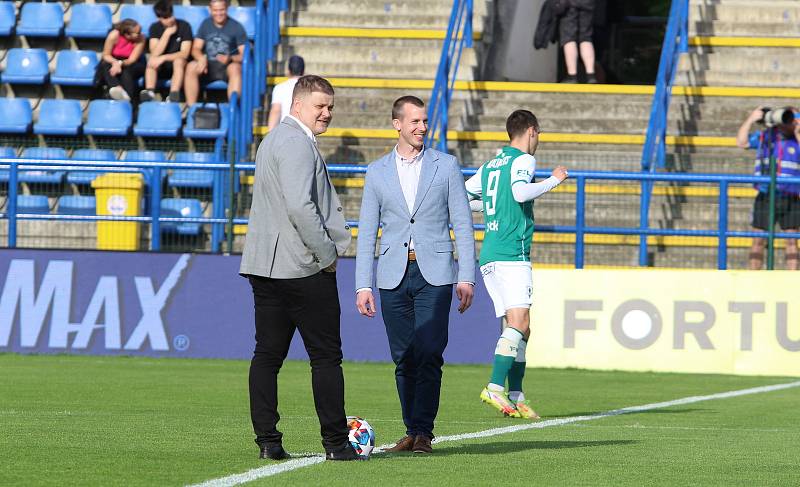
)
(509, 224)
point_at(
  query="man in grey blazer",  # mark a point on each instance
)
(295, 232)
(415, 192)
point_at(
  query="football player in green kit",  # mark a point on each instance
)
(504, 190)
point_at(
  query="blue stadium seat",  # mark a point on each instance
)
(194, 15)
(33, 203)
(86, 177)
(247, 17)
(75, 68)
(109, 117)
(193, 178)
(6, 153)
(15, 115)
(147, 156)
(140, 13)
(222, 131)
(158, 119)
(26, 66)
(59, 117)
(43, 176)
(76, 205)
(181, 208)
(41, 19)
(8, 18)
(89, 21)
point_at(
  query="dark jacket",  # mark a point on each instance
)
(547, 26)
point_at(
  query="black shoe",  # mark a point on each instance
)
(591, 79)
(273, 452)
(345, 453)
(570, 79)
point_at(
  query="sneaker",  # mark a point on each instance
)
(570, 79)
(499, 401)
(525, 411)
(146, 95)
(118, 93)
(174, 97)
(591, 79)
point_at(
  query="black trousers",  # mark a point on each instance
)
(310, 305)
(128, 78)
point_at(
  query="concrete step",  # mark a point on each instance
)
(378, 53)
(743, 29)
(375, 21)
(746, 12)
(765, 64)
(388, 7)
(364, 68)
(734, 78)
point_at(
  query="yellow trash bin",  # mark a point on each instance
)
(118, 194)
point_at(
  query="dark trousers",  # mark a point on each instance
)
(128, 78)
(416, 315)
(311, 305)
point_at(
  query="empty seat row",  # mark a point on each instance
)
(37, 204)
(106, 118)
(179, 178)
(94, 20)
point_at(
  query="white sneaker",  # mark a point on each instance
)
(118, 93)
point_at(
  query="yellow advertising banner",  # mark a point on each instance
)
(727, 322)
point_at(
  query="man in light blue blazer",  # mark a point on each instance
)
(415, 192)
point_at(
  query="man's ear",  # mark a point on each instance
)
(396, 124)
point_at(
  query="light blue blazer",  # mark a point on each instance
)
(441, 200)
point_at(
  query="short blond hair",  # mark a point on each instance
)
(310, 83)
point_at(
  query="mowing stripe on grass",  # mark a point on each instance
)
(297, 463)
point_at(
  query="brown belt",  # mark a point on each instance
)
(412, 255)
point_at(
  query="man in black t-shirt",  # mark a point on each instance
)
(170, 45)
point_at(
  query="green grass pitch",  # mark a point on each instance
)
(71, 420)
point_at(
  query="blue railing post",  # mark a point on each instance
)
(218, 205)
(580, 220)
(155, 208)
(13, 191)
(722, 247)
(644, 221)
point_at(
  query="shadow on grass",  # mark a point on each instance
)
(648, 411)
(502, 447)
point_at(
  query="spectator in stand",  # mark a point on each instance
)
(779, 141)
(122, 63)
(217, 49)
(575, 32)
(170, 45)
(282, 92)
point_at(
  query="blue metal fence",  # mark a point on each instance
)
(459, 35)
(219, 222)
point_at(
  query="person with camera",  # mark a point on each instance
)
(778, 139)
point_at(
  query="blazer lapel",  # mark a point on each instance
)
(430, 164)
(393, 180)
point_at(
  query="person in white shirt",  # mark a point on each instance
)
(282, 92)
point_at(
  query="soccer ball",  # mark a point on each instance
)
(361, 436)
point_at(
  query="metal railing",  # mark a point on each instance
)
(222, 223)
(459, 35)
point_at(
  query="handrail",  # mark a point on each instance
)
(676, 42)
(221, 221)
(459, 35)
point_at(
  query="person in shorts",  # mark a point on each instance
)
(169, 45)
(504, 190)
(781, 142)
(217, 51)
(575, 34)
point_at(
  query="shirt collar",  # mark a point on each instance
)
(403, 160)
(303, 126)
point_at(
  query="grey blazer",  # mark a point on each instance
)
(296, 225)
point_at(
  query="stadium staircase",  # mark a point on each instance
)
(728, 71)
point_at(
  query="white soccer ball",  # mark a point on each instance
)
(361, 436)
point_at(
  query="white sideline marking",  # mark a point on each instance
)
(297, 463)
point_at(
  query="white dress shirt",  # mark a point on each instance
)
(305, 129)
(409, 171)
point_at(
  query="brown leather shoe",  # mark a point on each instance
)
(405, 444)
(422, 444)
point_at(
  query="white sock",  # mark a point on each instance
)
(516, 396)
(495, 387)
(508, 343)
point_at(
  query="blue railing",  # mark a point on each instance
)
(254, 75)
(676, 42)
(219, 222)
(459, 35)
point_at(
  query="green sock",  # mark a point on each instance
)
(517, 371)
(504, 355)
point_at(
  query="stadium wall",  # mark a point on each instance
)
(196, 305)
